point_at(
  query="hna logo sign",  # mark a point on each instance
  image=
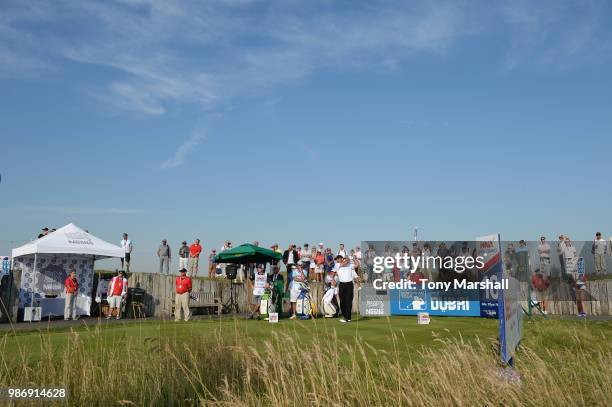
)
(486, 245)
(444, 306)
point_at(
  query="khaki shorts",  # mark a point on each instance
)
(114, 301)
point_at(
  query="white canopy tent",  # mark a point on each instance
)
(45, 262)
(70, 239)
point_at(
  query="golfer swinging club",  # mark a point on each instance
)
(346, 276)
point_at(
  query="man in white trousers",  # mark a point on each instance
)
(72, 291)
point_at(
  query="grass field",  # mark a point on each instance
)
(453, 361)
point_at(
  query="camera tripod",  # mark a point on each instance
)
(231, 305)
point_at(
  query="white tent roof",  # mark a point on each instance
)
(70, 239)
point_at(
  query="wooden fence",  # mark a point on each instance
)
(160, 292)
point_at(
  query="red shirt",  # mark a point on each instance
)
(72, 286)
(116, 286)
(539, 283)
(195, 250)
(416, 277)
(319, 259)
(183, 285)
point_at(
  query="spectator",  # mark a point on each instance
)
(577, 280)
(599, 251)
(194, 258)
(319, 259)
(357, 257)
(329, 278)
(116, 293)
(259, 281)
(417, 277)
(297, 278)
(290, 258)
(540, 283)
(211, 263)
(560, 249)
(275, 275)
(181, 299)
(369, 261)
(274, 248)
(72, 291)
(342, 251)
(276, 282)
(306, 257)
(43, 233)
(328, 261)
(509, 258)
(226, 246)
(164, 253)
(569, 256)
(184, 256)
(346, 277)
(126, 245)
(426, 266)
(442, 253)
(544, 254)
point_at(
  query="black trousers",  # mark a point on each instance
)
(345, 292)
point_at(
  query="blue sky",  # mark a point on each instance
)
(304, 121)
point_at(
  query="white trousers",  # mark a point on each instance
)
(70, 306)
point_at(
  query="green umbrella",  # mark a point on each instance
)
(247, 253)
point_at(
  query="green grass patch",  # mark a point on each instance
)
(375, 361)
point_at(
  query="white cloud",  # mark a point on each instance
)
(557, 34)
(207, 53)
(184, 150)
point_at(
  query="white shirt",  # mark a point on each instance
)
(544, 250)
(569, 252)
(341, 253)
(600, 246)
(370, 254)
(290, 259)
(346, 274)
(358, 255)
(330, 294)
(126, 244)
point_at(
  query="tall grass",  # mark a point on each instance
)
(228, 369)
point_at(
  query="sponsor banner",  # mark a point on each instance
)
(489, 247)
(5, 266)
(374, 303)
(464, 303)
(44, 282)
(580, 267)
(510, 317)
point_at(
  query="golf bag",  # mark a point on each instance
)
(304, 306)
(329, 304)
(266, 305)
